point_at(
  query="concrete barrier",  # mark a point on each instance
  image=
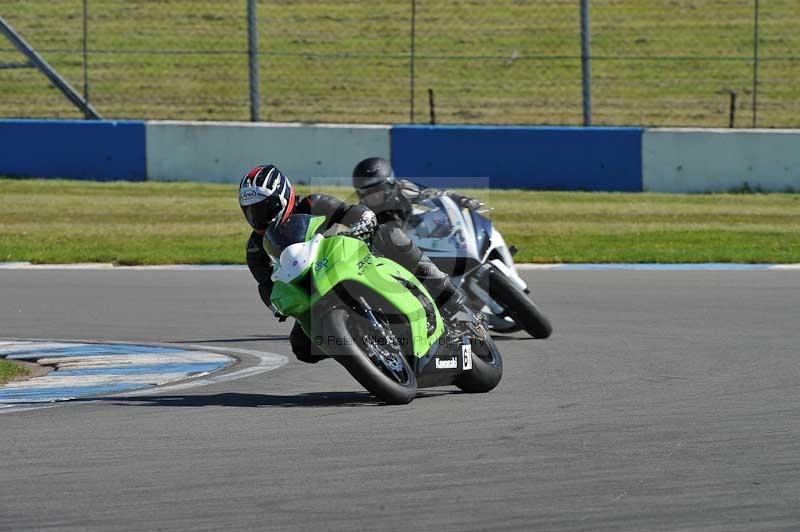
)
(703, 160)
(75, 149)
(556, 158)
(601, 159)
(223, 152)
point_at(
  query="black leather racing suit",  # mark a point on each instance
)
(394, 245)
(397, 207)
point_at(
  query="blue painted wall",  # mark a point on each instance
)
(602, 159)
(556, 158)
(75, 149)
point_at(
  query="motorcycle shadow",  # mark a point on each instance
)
(247, 400)
(509, 338)
(252, 338)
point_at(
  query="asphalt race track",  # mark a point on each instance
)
(663, 401)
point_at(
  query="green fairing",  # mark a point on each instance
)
(343, 259)
(291, 301)
(314, 226)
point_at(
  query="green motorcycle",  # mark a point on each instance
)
(373, 316)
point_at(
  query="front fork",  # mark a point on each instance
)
(371, 315)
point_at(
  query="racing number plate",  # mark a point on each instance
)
(466, 355)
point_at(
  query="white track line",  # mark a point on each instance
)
(520, 266)
(657, 267)
(108, 266)
(267, 361)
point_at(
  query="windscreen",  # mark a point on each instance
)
(280, 236)
(432, 222)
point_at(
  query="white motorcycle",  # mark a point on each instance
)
(464, 244)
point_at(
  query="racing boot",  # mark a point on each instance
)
(303, 348)
(449, 298)
(451, 301)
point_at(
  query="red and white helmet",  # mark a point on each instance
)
(266, 196)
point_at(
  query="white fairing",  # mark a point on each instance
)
(296, 259)
(461, 241)
(506, 262)
(450, 232)
(456, 240)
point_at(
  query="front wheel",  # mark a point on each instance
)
(379, 366)
(516, 303)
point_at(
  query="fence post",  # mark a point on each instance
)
(84, 47)
(432, 106)
(755, 63)
(411, 62)
(586, 62)
(252, 53)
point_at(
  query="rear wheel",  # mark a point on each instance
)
(376, 360)
(516, 303)
(487, 365)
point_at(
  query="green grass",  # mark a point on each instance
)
(161, 223)
(656, 62)
(10, 370)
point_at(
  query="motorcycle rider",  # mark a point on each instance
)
(267, 198)
(392, 199)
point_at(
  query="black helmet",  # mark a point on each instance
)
(374, 181)
(371, 171)
(265, 196)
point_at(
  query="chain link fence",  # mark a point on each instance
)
(711, 63)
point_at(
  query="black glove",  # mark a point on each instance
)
(365, 226)
(470, 203)
(463, 201)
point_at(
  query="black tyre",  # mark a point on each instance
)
(516, 303)
(487, 367)
(380, 368)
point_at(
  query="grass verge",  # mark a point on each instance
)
(10, 370)
(655, 62)
(164, 223)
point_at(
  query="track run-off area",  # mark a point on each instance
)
(665, 400)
